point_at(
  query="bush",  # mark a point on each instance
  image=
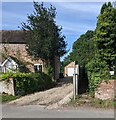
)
(29, 82)
(97, 70)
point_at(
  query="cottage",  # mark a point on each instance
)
(14, 44)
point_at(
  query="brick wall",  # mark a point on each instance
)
(106, 90)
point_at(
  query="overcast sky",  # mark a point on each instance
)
(74, 17)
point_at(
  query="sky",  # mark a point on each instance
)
(74, 17)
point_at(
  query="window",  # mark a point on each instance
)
(38, 67)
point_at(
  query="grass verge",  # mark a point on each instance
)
(7, 98)
(87, 100)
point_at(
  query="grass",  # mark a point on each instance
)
(7, 98)
(103, 103)
(90, 101)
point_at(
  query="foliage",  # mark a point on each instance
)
(95, 51)
(29, 82)
(83, 48)
(49, 71)
(105, 35)
(105, 41)
(97, 70)
(82, 51)
(44, 38)
(65, 62)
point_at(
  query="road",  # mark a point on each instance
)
(37, 111)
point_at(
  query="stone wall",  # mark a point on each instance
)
(8, 87)
(106, 90)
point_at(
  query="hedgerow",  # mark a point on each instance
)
(29, 82)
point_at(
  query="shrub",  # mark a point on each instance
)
(29, 82)
(97, 70)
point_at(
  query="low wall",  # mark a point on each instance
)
(106, 90)
(7, 87)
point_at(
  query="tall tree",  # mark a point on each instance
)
(106, 34)
(105, 42)
(44, 37)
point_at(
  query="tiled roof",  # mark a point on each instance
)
(12, 36)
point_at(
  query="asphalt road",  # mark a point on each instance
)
(36, 111)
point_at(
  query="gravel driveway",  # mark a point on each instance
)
(47, 97)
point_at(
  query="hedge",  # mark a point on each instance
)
(29, 82)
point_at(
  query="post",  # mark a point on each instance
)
(76, 84)
(74, 81)
(74, 94)
(77, 79)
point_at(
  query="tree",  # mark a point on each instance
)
(96, 50)
(105, 41)
(105, 35)
(83, 48)
(103, 8)
(44, 38)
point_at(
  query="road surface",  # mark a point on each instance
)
(37, 111)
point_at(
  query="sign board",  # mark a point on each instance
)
(111, 72)
(71, 71)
